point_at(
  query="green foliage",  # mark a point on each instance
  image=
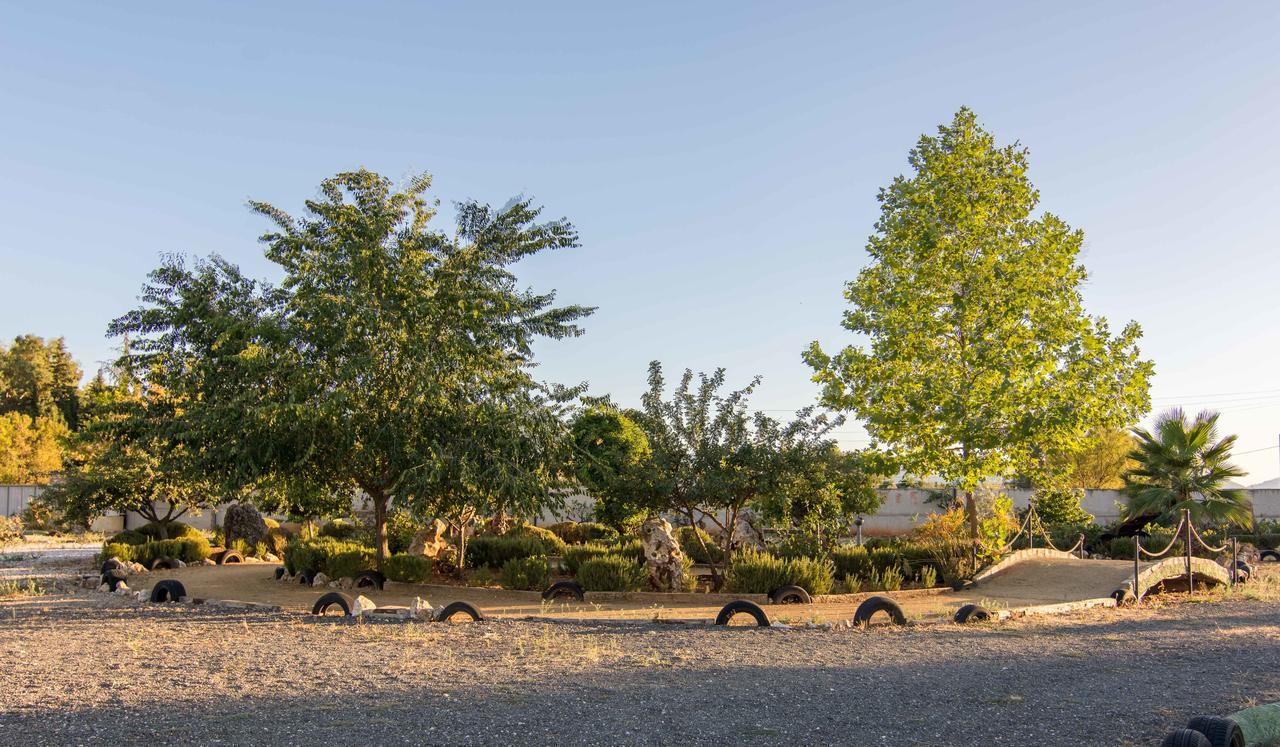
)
(40, 379)
(628, 548)
(342, 529)
(754, 572)
(129, 537)
(334, 558)
(408, 569)
(402, 527)
(11, 529)
(30, 448)
(277, 541)
(688, 537)
(852, 561)
(121, 550)
(40, 516)
(927, 577)
(490, 551)
(550, 541)
(525, 574)
(190, 549)
(578, 532)
(885, 579)
(480, 578)
(1182, 464)
(1060, 507)
(822, 493)
(610, 459)
(980, 350)
(611, 573)
(174, 530)
(576, 555)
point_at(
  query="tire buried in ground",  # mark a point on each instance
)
(790, 595)
(1221, 732)
(332, 599)
(168, 590)
(870, 607)
(1244, 571)
(113, 578)
(230, 557)
(306, 578)
(1186, 738)
(455, 608)
(369, 580)
(564, 590)
(112, 564)
(163, 564)
(1122, 597)
(973, 613)
(279, 573)
(742, 606)
(1269, 556)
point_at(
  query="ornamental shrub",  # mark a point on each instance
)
(551, 542)
(402, 527)
(581, 532)
(631, 548)
(525, 574)
(756, 572)
(128, 537)
(408, 569)
(340, 529)
(491, 551)
(688, 539)
(611, 573)
(576, 555)
(176, 530)
(120, 550)
(334, 558)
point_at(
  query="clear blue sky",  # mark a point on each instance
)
(720, 159)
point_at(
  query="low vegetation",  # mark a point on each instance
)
(611, 573)
(525, 574)
(333, 557)
(757, 572)
(408, 569)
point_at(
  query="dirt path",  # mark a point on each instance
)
(90, 669)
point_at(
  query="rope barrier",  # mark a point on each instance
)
(1204, 544)
(1138, 542)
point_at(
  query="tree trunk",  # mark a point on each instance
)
(380, 500)
(971, 511)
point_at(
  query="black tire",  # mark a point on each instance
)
(163, 564)
(973, 613)
(368, 580)
(562, 589)
(230, 556)
(306, 578)
(1122, 597)
(790, 595)
(870, 607)
(1244, 571)
(113, 564)
(279, 573)
(168, 590)
(454, 608)
(113, 578)
(332, 599)
(1221, 732)
(1186, 738)
(741, 605)
(1269, 555)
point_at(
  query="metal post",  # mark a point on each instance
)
(1235, 558)
(1080, 541)
(1191, 579)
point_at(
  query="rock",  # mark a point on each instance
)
(207, 561)
(344, 583)
(104, 587)
(319, 581)
(122, 589)
(747, 531)
(141, 596)
(430, 542)
(243, 522)
(362, 606)
(132, 568)
(421, 609)
(270, 558)
(662, 556)
(179, 563)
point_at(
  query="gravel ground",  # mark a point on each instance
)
(85, 668)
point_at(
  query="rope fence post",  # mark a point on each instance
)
(1191, 579)
(1137, 551)
(1081, 543)
(1235, 558)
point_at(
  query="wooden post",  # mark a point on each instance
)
(1191, 579)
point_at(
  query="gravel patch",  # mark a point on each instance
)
(84, 668)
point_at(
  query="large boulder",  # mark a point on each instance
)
(243, 522)
(746, 531)
(663, 558)
(430, 542)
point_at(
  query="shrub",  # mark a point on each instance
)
(551, 542)
(688, 538)
(481, 578)
(277, 541)
(1061, 506)
(334, 558)
(928, 577)
(129, 537)
(886, 579)
(489, 551)
(401, 529)
(340, 529)
(631, 548)
(525, 574)
(580, 532)
(176, 530)
(611, 573)
(852, 561)
(187, 549)
(755, 572)
(121, 550)
(240, 546)
(408, 569)
(576, 555)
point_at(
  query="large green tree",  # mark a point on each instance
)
(610, 459)
(979, 356)
(393, 359)
(40, 379)
(1181, 463)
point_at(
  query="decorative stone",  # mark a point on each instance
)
(179, 564)
(747, 531)
(122, 589)
(104, 588)
(362, 606)
(663, 558)
(319, 581)
(270, 558)
(421, 609)
(430, 542)
(243, 522)
(207, 561)
(132, 568)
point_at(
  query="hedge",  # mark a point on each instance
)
(576, 555)
(408, 569)
(551, 542)
(491, 551)
(688, 539)
(334, 558)
(755, 572)
(611, 573)
(188, 550)
(581, 532)
(525, 574)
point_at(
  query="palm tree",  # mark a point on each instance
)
(1181, 464)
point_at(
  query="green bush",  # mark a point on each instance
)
(755, 572)
(120, 550)
(490, 551)
(852, 561)
(188, 550)
(402, 527)
(340, 529)
(177, 530)
(611, 573)
(551, 542)
(576, 555)
(581, 532)
(129, 537)
(408, 569)
(525, 574)
(688, 539)
(631, 548)
(277, 541)
(334, 558)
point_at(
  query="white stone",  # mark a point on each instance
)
(132, 568)
(320, 581)
(207, 561)
(141, 596)
(780, 626)
(122, 589)
(179, 563)
(421, 609)
(662, 556)
(271, 558)
(363, 605)
(104, 587)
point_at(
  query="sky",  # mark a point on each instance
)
(720, 160)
